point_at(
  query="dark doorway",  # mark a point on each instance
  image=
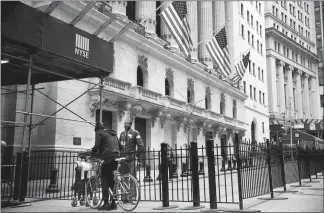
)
(106, 118)
(224, 147)
(253, 131)
(140, 126)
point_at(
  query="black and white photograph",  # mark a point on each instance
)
(162, 106)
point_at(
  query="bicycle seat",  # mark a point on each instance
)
(120, 160)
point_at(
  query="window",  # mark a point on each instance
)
(262, 76)
(275, 45)
(285, 18)
(252, 24)
(322, 101)
(244, 87)
(251, 96)
(140, 77)
(263, 98)
(294, 94)
(273, 10)
(276, 12)
(259, 8)
(278, 47)
(242, 10)
(260, 97)
(261, 47)
(257, 26)
(167, 87)
(259, 73)
(248, 17)
(252, 40)
(282, 16)
(242, 31)
(258, 48)
(263, 127)
(249, 40)
(261, 30)
(253, 68)
(234, 109)
(222, 104)
(254, 90)
(250, 69)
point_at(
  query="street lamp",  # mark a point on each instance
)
(290, 124)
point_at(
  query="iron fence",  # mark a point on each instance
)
(206, 173)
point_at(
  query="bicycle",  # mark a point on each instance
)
(122, 191)
(6, 192)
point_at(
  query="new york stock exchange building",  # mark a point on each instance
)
(170, 98)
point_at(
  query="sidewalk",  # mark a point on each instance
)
(307, 199)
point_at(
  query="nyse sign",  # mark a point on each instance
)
(81, 46)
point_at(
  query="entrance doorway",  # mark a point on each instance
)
(224, 147)
(140, 126)
(253, 126)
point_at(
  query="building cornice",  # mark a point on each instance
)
(272, 53)
(150, 46)
(272, 30)
(289, 27)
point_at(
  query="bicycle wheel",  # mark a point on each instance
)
(93, 195)
(127, 190)
(6, 192)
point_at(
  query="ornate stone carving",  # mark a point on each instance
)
(164, 118)
(191, 83)
(289, 67)
(306, 75)
(134, 111)
(200, 126)
(94, 104)
(142, 61)
(281, 63)
(169, 73)
(122, 107)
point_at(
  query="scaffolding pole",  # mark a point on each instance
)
(31, 119)
(101, 87)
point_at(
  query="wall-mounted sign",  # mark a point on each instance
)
(297, 135)
(76, 141)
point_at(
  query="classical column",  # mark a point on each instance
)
(193, 23)
(282, 103)
(299, 97)
(218, 14)
(205, 30)
(119, 8)
(272, 85)
(314, 97)
(306, 97)
(165, 33)
(290, 89)
(146, 10)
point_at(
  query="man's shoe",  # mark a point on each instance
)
(105, 207)
(113, 206)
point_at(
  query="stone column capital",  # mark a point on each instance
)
(289, 68)
(297, 71)
(281, 63)
(306, 75)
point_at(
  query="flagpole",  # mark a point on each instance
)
(152, 12)
(218, 29)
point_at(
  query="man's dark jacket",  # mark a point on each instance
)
(128, 143)
(107, 144)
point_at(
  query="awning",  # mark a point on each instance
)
(306, 124)
(58, 51)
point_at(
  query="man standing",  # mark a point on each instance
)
(106, 142)
(129, 139)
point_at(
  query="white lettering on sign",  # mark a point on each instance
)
(81, 46)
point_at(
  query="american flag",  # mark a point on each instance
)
(175, 18)
(218, 50)
(241, 67)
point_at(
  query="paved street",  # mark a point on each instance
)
(307, 199)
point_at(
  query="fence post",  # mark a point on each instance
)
(211, 173)
(17, 176)
(195, 178)
(165, 179)
(239, 170)
(283, 174)
(24, 176)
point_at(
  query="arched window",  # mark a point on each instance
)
(140, 77)
(189, 96)
(130, 10)
(234, 109)
(167, 87)
(222, 104)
